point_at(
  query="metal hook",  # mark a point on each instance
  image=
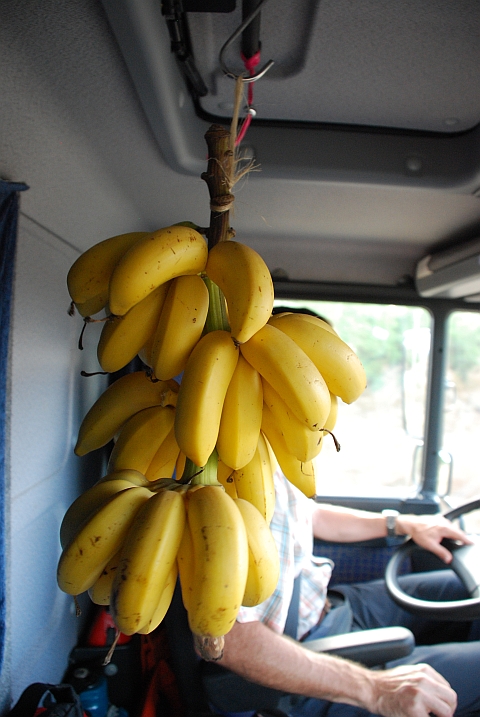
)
(233, 37)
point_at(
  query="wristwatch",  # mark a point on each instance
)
(391, 521)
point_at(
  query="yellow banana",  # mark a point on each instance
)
(225, 477)
(148, 554)
(98, 539)
(263, 560)
(89, 275)
(153, 260)
(220, 560)
(291, 373)
(123, 337)
(246, 283)
(304, 317)
(145, 353)
(241, 416)
(338, 364)
(101, 590)
(132, 476)
(331, 420)
(254, 482)
(180, 465)
(128, 395)
(88, 503)
(180, 326)
(164, 461)
(140, 437)
(303, 443)
(301, 474)
(186, 566)
(207, 375)
(163, 603)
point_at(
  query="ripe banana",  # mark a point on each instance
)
(128, 395)
(134, 477)
(338, 364)
(148, 554)
(87, 504)
(241, 416)
(246, 283)
(163, 603)
(301, 474)
(220, 549)
(254, 482)
(305, 317)
(186, 566)
(263, 559)
(101, 590)
(165, 459)
(291, 373)
(98, 539)
(89, 275)
(153, 260)
(180, 326)
(140, 438)
(205, 381)
(123, 337)
(303, 443)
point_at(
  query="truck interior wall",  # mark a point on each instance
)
(47, 398)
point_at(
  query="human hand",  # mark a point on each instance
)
(412, 691)
(428, 531)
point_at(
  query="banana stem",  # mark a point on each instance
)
(208, 476)
(217, 312)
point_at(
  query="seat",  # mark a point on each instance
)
(207, 687)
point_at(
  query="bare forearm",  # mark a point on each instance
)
(345, 525)
(255, 652)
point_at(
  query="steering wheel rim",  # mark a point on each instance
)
(465, 558)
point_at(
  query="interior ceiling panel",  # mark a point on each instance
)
(96, 118)
(407, 64)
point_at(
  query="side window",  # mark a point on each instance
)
(381, 434)
(461, 417)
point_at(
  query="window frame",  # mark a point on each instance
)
(427, 499)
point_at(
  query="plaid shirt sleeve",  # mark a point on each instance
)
(291, 527)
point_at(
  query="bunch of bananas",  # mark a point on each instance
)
(126, 539)
(256, 389)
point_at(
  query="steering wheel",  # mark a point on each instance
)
(465, 563)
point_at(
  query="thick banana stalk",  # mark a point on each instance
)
(154, 260)
(164, 461)
(301, 474)
(98, 539)
(291, 373)
(205, 381)
(180, 326)
(336, 361)
(263, 560)
(254, 482)
(303, 443)
(128, 395)
(140, 437)
(87, 504)
(220, 560)
(89, 275)
(101, 590)
(241, 416)
(246, 283)
(163, 604)
(148, 554)
(123, 337)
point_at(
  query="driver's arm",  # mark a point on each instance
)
(257, 653)
(345, 525)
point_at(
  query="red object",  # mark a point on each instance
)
(100, 634)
